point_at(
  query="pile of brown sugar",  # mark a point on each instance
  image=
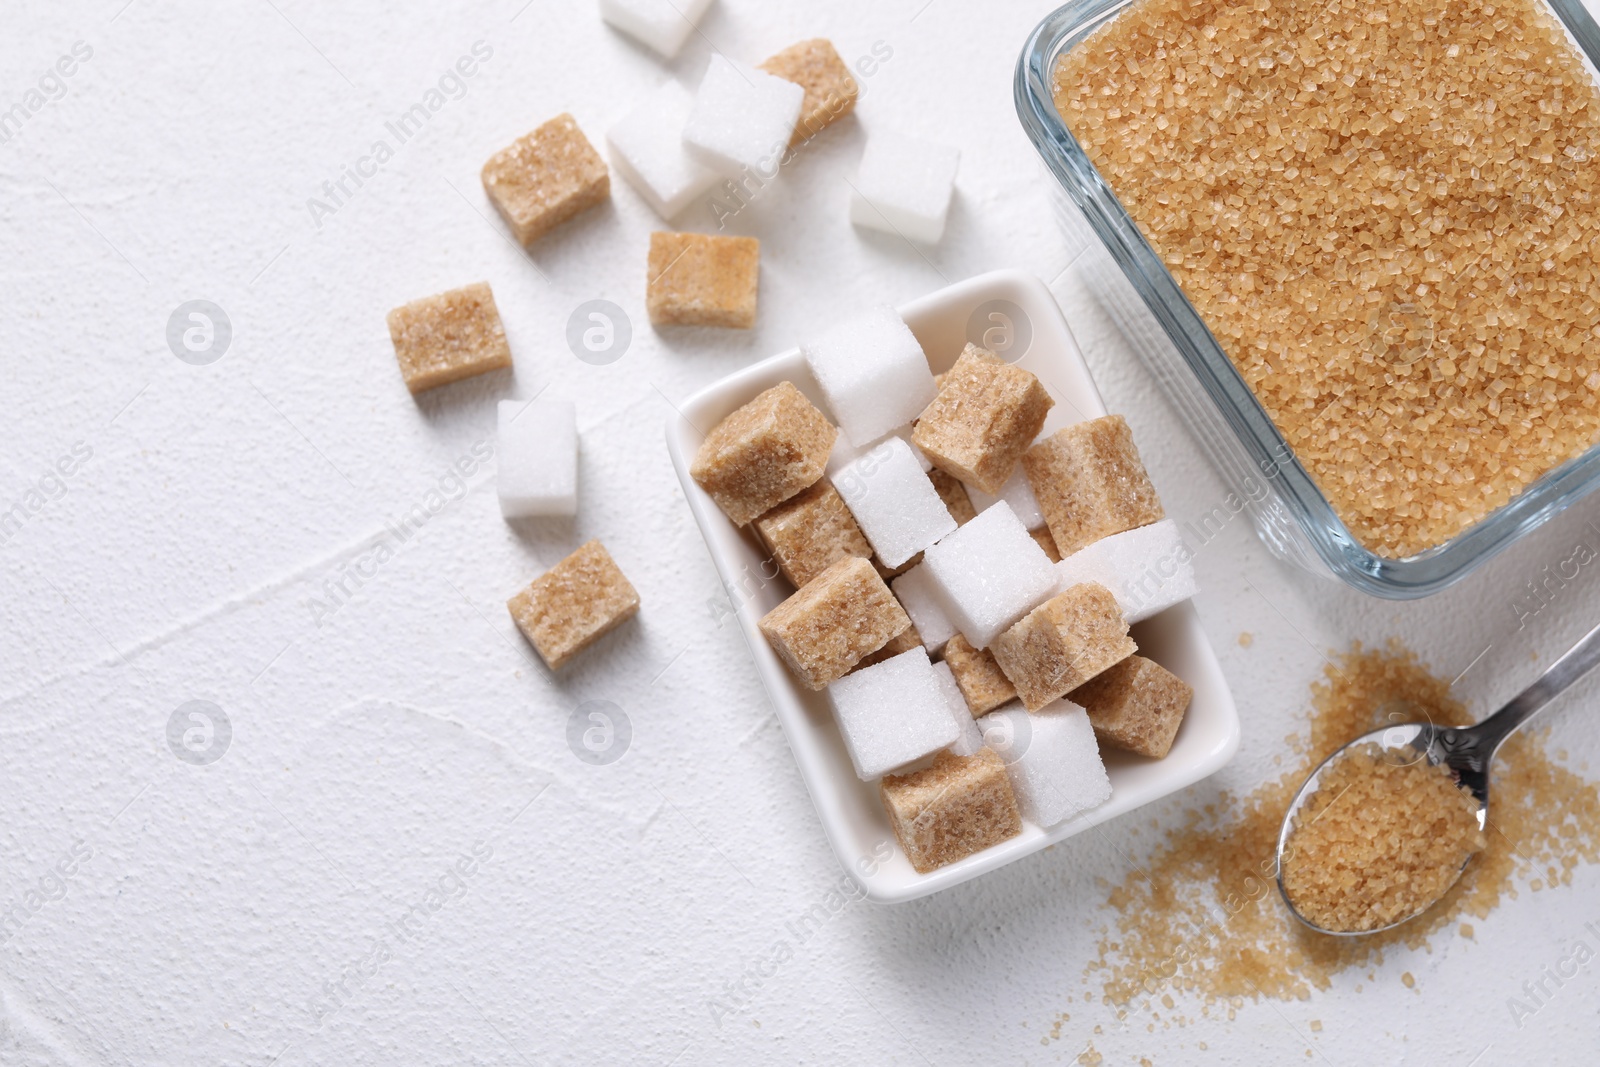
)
(1380, 840)
(1387, 214)
(1201, 918)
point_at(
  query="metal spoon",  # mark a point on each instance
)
(1466, 751)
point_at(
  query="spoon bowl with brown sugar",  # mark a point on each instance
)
(1384, 827)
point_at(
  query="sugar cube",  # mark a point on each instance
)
(915, 593)
(841, 615)
(1091, 483)
(1148, 569)
(898, 508)
(444, 338)
(742, 118)
(873, 372)
(951, 809)
(536, 458)
(892, 713)
(1136, 705)
(809, 533)
(1017, 493)
(904, 641)
(699, 279)
(764, 453)
(983, 685)
(970, 739)
(647, 149)
(986, 415)
(660, 25)
(1041, 536)
(1052, 758)
(545, 178)
(988, 574)
(844, 453)
(904, 186)
(1063, 643)
(830, 91)
(955, 497)
(574, 604)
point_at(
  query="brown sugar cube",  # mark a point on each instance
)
(952, 808)
(841, 615)
(890, 573)
(986, 415)
(1091, 483)
(980, 679)
(904, 641)
(1136, 705)
(811, 532)
(542, 180)
(574, 604)
(441, 339)
(954, 495)
(699, 279)
(764, 453)
(831, 92)
(1046, 542)
(1063, 643)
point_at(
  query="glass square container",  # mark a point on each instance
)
(1118, 265)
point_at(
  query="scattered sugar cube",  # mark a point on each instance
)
(985, 417)
(841, 615)
(951, 809)
(1042, 538)
(660, 25)
(844, 453)
(873, 372)
(1136, 705)
(545, 178)
(1019, 494)
(1148, 569)
(904, 186)
(1052, 758)
(904, 641)
(915, 594)
(444, 338)
(892, 713)
(955, 497)
(574, 604)
(647, 149)
(970, 739)
(699, 279)
(988, 574)
(536, 458)
(1063, 643)
(830, 91)
(809, 533)
(1091, 483)
(764, 453)
(742, 118)
(984, 686)
(898, 508)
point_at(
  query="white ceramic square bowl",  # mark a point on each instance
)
(851, 812)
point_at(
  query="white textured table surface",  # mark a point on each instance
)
(229, 539)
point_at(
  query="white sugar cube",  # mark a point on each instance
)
(1018, 493)
(904, 186)
(660, 25)
(914, 590)
(844, 453)
(873, 372)
(536, 458)
(894, 503)
(892, 713)
(1052, 758)
(970, 738)
(988, 574)
(742, 118)
(1148, 569)
(647, 149)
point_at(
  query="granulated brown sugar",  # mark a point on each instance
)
(1388, 214)
(1202, 915)
(1381, 839)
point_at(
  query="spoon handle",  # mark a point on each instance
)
(1579, 660)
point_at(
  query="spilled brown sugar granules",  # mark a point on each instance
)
(1203, 917)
